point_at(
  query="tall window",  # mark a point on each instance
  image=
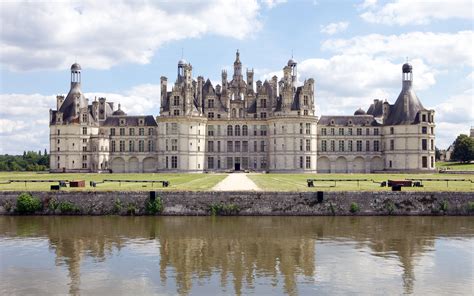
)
(332, 131)
(174, 144)
(308, 145)
(308, 162)
(141, 146)
(424, 144)
(131, 146)
(367, 131)
(122, 131)
(237, 146)
(245, 146)
(359, 146)
(301, 144)
(150, 131)
(245, 130)
(341, 131)
(392, 145)
(210, 162)
(84, 130)
(349, 145)
(141, 131)
(210, 146)
(176, 101)
(333, 145)
(122, 146)
(150, 146)
(113, 146)
(229, 146)
(308, 128)
(341, 145)
(237, 130)
(424, 161)
(262, 146)
(323, 145)
(210, 103)
(349, 131)
(218, 146)
(229, 130)
(131, 131)
(391, 130)
(359, 131)
(323, 131)
(174, 162)
(376, 131)
(367, 145)
(305, 100)
(174, 128)
(376, 145)
(263, 103)
(263, 130)
(301, 162)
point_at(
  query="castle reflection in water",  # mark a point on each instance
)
(237, 249)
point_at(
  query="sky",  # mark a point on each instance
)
(353, 49)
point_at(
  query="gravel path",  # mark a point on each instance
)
(236, 182)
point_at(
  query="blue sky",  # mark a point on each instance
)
(353, 49)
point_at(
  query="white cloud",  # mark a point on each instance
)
(334, 28)
(102, 34)
(368, 4)
(24, 127)
(408, 12)
(440, 49)
(272, 3)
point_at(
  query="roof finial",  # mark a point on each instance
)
(119, 106)
(292, 53)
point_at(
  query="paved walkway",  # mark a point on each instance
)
(236, 182)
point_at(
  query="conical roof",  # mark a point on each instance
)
(406, 108)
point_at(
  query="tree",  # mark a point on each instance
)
(463, 149)
(437, 153)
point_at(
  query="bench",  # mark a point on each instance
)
(163, 182)
(311, 181)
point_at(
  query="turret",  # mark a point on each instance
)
(293, 71)
(59, 101)
(75, 74)
(164, 92)
(250, 80)
(237, 67)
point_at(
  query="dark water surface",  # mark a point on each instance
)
(236, 255)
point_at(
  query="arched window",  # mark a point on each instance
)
(234, 113)
(237, 130)
(245, 130)
(229, 130)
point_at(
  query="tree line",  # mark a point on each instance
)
(29, 161)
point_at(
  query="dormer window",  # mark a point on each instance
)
(140, 121)
(122, 121)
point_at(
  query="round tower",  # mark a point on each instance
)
(75, 73)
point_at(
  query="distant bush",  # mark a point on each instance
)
(390, 207)
(444, 206)
(354, 207)
(154, 207)
(27, 204)
(223, 210)
(67, 207)
(132, 209)
(118, 206)
(470, 206)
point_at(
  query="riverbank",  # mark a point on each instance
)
(240, 203)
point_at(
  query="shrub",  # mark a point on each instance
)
(354, 207)
(444, 206)
(53, 205)
(132, 209)
(27, 204)
(117, 206)
(332, 209)
(223, 210)
(67, 207)
(390, 207)
(154, 207)
(470, 206)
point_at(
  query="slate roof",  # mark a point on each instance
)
(401, 115)
(376, 109)
(343, 120)
(67, 108)
(149, 120)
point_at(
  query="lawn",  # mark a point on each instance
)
(455, 166)
(196, 182)
(297, 182)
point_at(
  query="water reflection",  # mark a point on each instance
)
(192, 252)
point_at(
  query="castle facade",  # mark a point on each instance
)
(237, 126)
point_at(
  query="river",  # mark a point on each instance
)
(113, 255)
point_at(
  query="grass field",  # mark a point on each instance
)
(297, 182)
(196, 182)
(455, 166)
(268, 182)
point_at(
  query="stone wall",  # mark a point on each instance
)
(249, 203)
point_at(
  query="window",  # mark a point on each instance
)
(424, 144)
(210, 103)
(432, 147)
(376, 131)
(263, 115)
(254, 130)
(245, 130)
(333, 145)
(392, 145)
(255, 146)
(263, 130)
(84, 117)
(341, 131)
(230, 163)
(305, 100)
(301, 144)
(367, 131)
(323, 132)
(424, 161)
(237, 146)
(323, 145)
(263, 103)
(341, 146)
(176, 101)
(131, 132)
(122, 146)
(376, 145)
(245, 146)
(432, 130)
(131, 146)
(218, 163)
(84, 157)
(305, 112)
(423, 117)
(210, 162)
(308, 145)
(210, 130)
(174, 128)
(234, 113)
(84, 165)
(218, 146)
(174, 144)
(301, 162)
(113, 146)
(210, 146)
(424, 130)
(237, 130)
(59, 141)
(229, 130)
(359, 131)
(141, 131)
(141, 146)
(349, 131)
(210, 115)
(176, 112)
(166, 162)
(308, 128)
(359, 146)
(349, 146)
(59, 132)
(367, 145)
(432, 161)
(229, 146)
(262, 146)
(122, 131)
(332, 131)
(391, 130)
(308, 162)
(174, 162)
(151, 146)
(84, 130)
(150, 131)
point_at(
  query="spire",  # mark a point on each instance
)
(237, 58)
(237, 66)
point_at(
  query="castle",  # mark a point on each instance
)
(237, 126)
